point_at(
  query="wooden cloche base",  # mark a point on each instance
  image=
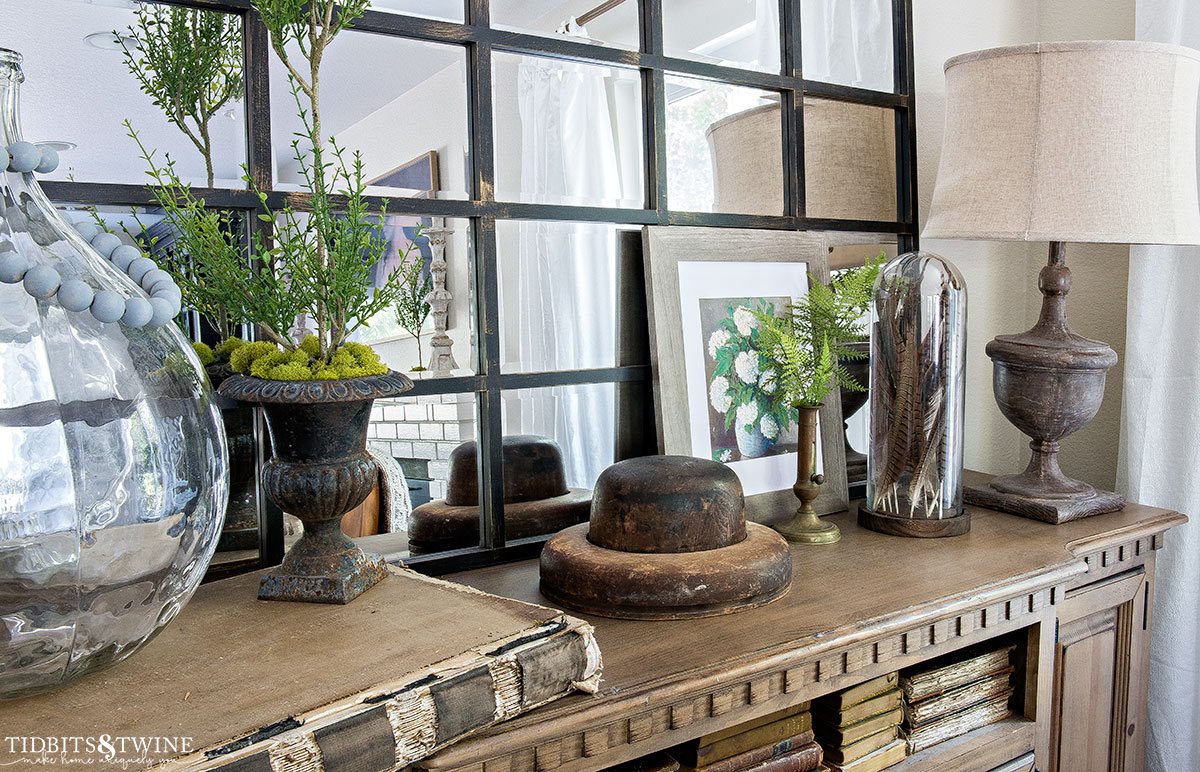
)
(1056, 511)
(582, 576)
(913, 527)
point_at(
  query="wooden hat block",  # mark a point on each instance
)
(536, 497)
(667, 539)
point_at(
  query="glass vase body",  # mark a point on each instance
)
(918, 344)
(112, 459)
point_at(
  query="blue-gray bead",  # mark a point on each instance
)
(41, 281)
(161, 286)
(105, 243)
(49, 160)
(154, 276)
(88, 230)
(176, 304)
(123, 255)
(108, 306)
(13, 266)
(138, 311)
(75, 295)
(164, 311)
(23, 156)
(174, 298)
(140, 267)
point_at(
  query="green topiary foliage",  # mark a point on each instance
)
(204, 353)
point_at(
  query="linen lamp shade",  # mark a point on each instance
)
(1087, 141)
(849, 161)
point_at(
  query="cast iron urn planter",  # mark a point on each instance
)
(319, 470)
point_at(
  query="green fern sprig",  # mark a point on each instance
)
(809, 343)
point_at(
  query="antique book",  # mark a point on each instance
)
(892, 753)
(872, 706)
(960, 698)
(829, 733)
(945, 673)
(957, 724)
(804, 759)
(697, 755)
(844, 754)
(859, 692)
(754, 756)
(237, 683)
(745, 726)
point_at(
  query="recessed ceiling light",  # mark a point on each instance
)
(109, 41)
(57, 145)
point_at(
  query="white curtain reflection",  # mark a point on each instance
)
(572, 118)
(848, 42)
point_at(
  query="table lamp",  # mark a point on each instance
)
(1088, 141)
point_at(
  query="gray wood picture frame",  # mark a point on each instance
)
(665, 247)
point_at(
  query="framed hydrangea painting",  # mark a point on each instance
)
(715, 388)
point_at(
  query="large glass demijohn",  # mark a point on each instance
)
(112, 459)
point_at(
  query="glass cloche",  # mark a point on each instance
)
(918, 344)
(112, 459)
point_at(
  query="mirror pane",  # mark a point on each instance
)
(724, 148)
(580, 419)
(735, 34)
(413, 438)
(567, 132)
(401, 103)
(440, 305)
(848, 43)
(849, 160)
(79, 89)
(585, 21)
(567, 289)
(442, 10)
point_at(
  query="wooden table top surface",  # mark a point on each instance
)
(853, 588)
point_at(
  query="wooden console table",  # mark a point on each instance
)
(1075, 598)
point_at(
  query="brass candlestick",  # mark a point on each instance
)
(805, 527)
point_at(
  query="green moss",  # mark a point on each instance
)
(243, 357)
(264, 360)
(263, 365)
(226, 348)
(204, 353)
(288, 372)
(311, 346)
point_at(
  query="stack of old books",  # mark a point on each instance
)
(859, 727)
(778, 742)
(953, 695)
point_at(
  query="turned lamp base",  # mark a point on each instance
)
(1061, 509)
(1049, 383)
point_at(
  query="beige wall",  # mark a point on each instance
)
(1002, 277)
